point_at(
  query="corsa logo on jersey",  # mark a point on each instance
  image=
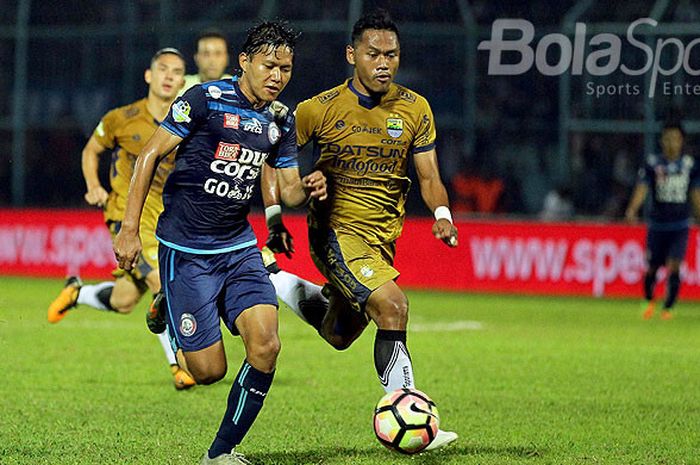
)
(228, 152)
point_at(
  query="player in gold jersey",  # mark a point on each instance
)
(123, 132)
(364, 133)
(211, 59)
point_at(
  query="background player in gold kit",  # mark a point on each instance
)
(211, 59)
(364, 132)
(123, 132)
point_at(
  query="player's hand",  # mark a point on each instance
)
(280, 240)
(127, 247)
(315, 185)
(96, 196)
(446, 232)
(279, 110)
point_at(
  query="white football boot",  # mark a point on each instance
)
(442, 439)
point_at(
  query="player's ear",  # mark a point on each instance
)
(243, 61)
(350, 54)
(148, 76)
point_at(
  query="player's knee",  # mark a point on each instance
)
(393, 313)
(262, 353)
(122, 305)
(205, 377)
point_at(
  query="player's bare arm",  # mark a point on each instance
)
(95, 194)
(695, 202)
(296, 191)
(127, 244)
(279, 239)
(638, 197)
(435, 196)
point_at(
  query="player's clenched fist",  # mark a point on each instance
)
(96, 196)
(127, 247)
(315, 184)
(446, 232)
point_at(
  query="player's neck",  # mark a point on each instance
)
(157, 107)
(248, 94)
(672, 156)
(356, 84)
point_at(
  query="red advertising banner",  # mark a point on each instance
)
(507, 257)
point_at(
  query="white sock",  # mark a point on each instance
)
(292, 289)
(399, 372)
(165, 342)
(88, 294)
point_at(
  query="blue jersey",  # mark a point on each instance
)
(217, 166)
(670, 183)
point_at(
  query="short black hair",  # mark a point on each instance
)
(378, 19)
(674, 122)
(277, 33)
(168, 51)
(210, 34)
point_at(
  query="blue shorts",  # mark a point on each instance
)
(200, 289)
(664, 245)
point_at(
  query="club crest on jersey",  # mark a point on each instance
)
(231, 121)
(273, 133)
(394, 127)
(188, 325)
(181, 112)
(253, 125)
(228, 152)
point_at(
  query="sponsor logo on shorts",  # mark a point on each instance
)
(231, 121)
(188, 325)
(340, 124)
(366, 271)
(227, 151)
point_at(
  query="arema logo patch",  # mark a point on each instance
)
(181, 112)
(188, 325)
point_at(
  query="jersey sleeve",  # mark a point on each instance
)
(307, 117)
(104, 132)
(285, 156)
(186, 113)
(425, 136)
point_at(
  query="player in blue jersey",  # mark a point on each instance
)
(212, 269)
(673, 179)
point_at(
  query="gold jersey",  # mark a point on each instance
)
(125, 131)
(363, 148)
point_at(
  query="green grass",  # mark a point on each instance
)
(544, 381)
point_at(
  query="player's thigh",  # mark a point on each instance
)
(192, 285)
(125, 294)
(677, 248)
(388, 307)
(657, 248)
(207, 365)
(351, 265)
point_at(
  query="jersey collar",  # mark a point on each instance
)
(364, 100)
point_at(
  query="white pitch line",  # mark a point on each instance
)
(464, 325)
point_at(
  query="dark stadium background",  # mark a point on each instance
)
(64, 63)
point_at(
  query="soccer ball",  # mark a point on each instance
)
(406, 420)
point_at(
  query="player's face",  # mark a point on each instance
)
(166, 76)
(266, 73)
(211, 58)
(672, 142)
(376, 60)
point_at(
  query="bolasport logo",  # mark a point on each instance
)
(598, 55)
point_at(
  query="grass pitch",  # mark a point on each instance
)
(522, 380)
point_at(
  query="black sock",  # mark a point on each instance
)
(674, 285)
(649, 284)
(244, 403)
(392, 360)
(104, 296)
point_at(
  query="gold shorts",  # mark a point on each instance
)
(350, 264)
(148, 259)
